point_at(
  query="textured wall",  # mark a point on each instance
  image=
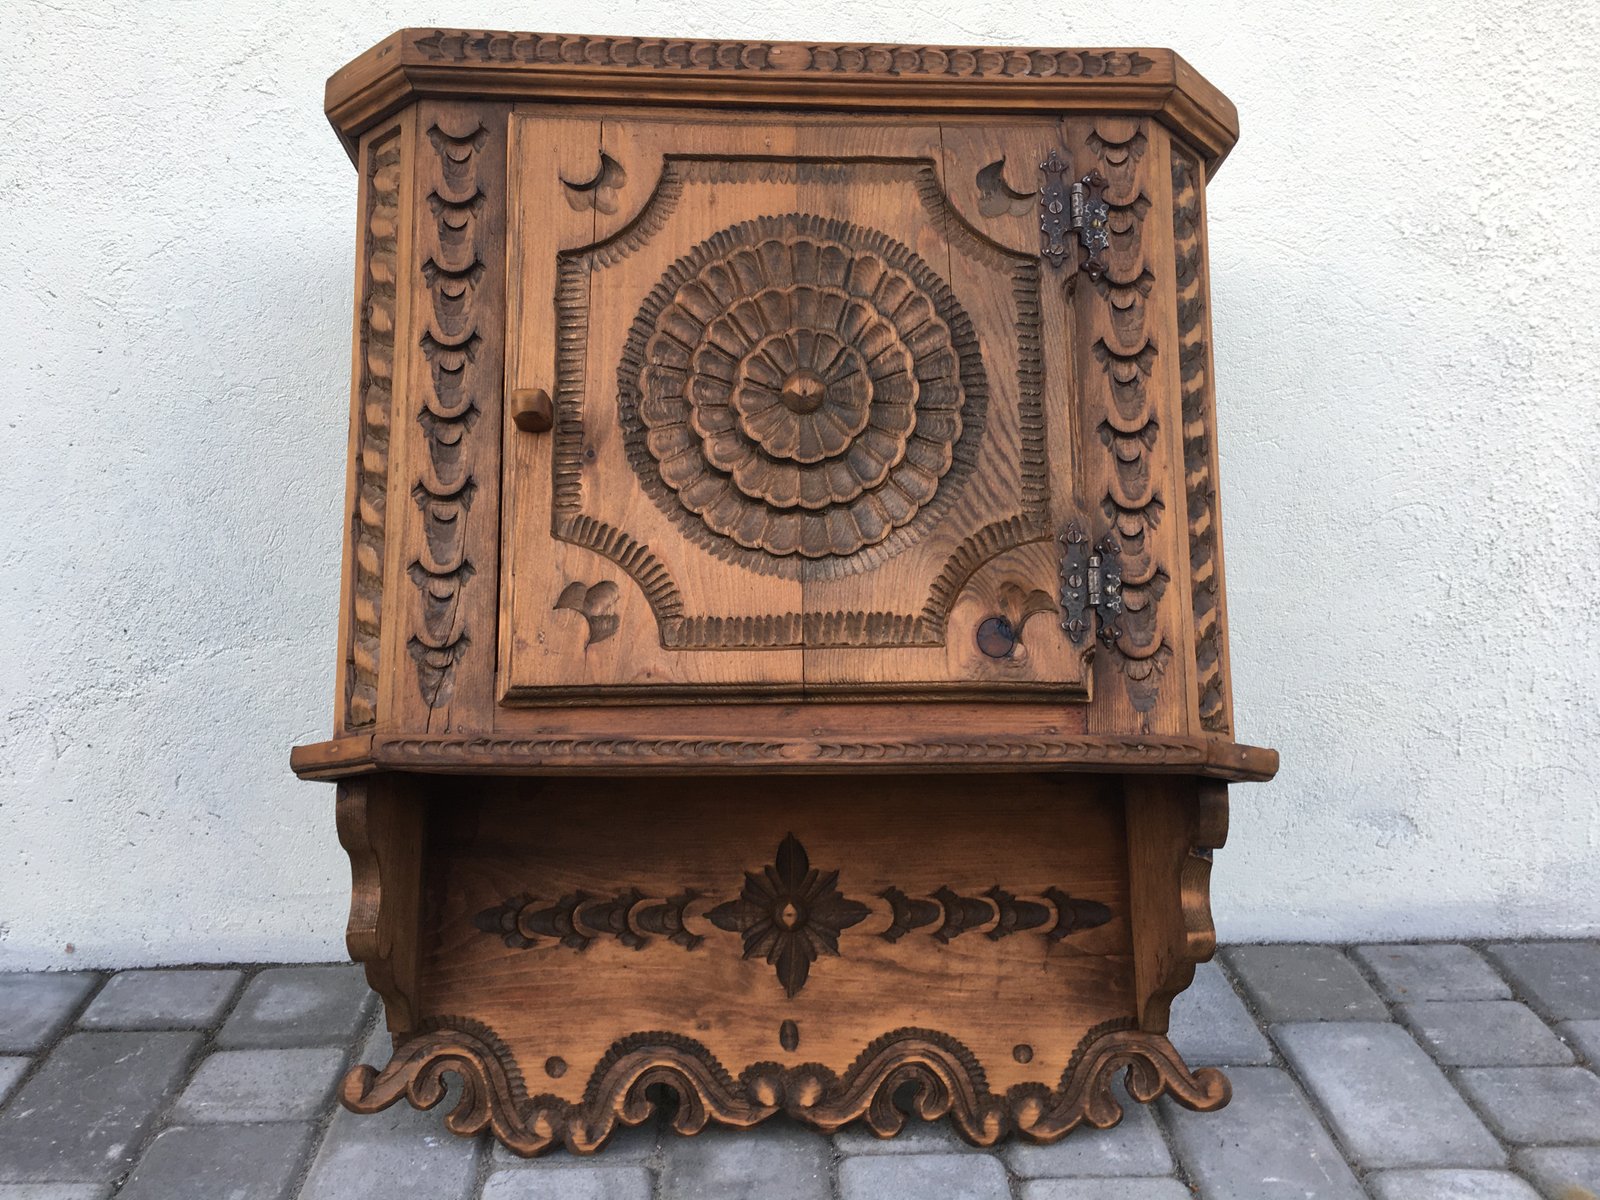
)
(1405, 253)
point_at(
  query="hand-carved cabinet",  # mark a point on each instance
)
(783, 652)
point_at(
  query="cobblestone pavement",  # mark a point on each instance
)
(1393, 1072)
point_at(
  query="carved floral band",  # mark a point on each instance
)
(788, 914)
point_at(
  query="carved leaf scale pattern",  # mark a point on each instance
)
(1132, 502)
(452, 249)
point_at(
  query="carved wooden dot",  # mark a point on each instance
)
(799, 386)
(1022, 1052)
(555, 1066)
(789, 1036)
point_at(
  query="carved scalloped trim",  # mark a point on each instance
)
(946, 1077)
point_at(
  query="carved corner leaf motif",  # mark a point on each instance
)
(996, 197)
(599, 192)
(597, 603)
(790, 914)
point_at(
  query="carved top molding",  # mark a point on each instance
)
(607, 69)
(599, 753)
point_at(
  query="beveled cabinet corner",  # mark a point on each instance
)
(782, 580)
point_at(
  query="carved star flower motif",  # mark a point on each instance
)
(789, 914)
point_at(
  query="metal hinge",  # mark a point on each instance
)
(1091, 582)
(1066, 209)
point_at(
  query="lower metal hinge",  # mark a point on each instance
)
(1091, 583)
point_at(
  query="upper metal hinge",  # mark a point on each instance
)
(1072, 209)
(1091, 583)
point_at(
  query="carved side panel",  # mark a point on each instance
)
(381, 175)
(1129, 428)
(380, 821)
(451, 486)
(1213, 698)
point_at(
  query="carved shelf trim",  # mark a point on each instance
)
(577, 754)
(947, 1078)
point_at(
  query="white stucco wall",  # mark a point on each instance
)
(1406, 262)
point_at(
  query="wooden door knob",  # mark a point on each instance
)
(531, 409)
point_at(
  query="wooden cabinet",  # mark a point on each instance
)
(784, 647)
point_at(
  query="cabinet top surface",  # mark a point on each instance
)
(575, 68)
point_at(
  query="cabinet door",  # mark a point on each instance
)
(810, 433)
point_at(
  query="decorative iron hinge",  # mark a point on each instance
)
(1066, 209)
(1091, 582)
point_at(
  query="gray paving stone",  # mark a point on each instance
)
(1484, 1033)
(162, 1000)
(1267, 1144)
(1561, 978)
(260, 1085)
(1562, 1172)
(1211, 1026)
(1449, 1185)
(1133, 1146)
(54, 1191)
(627, 1146)
(1532, 1105)
(923, 1176)
(82, 1115)
(398, 1154)
(1305, 983)
(574, 1183)
(1385, 1098)
(777, 1160)
(36, 1007)
(1432, 972)
(1585, 1035)
(11, 1070)
(1105, 1189)
(917, 1137)
(221, 1162)
(299, 1006)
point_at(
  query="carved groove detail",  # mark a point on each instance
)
(1132, 503)
(788, 913)
(946, 1078)
(373, 415)
(450, 345)
(675, 54)
(1200, 485)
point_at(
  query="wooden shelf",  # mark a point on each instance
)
(575, 753)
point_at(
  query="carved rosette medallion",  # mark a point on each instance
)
(798, 386)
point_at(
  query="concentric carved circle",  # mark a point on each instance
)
(799, 386)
